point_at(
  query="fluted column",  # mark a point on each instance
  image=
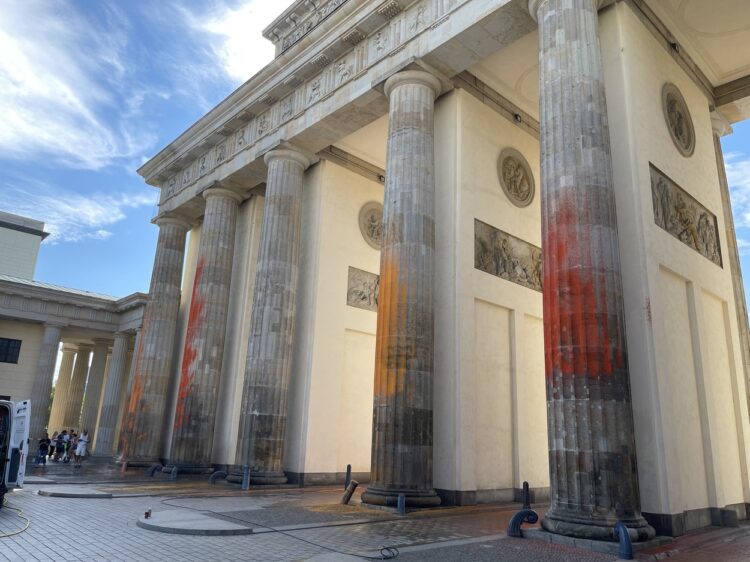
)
(42, 388)
(200, 373)
(113, 392)
(721, 127)
(57, 415)
(269, 355)
(141, 436)
(77, 385)
(404, 371)
(593, 476)
(93, 394)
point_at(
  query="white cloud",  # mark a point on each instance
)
(61, 75)
(70, 216)
(738, 176)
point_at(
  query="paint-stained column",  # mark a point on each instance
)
(113, 392)
(404, 370)
(593, 477)
(262, 429)
(77, 385)
(42, 388)
(92, 397)
(200, 373)
(62, 385)
(141, 438)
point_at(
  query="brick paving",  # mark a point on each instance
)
(105, 529)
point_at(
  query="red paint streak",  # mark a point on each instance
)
(195, 321)
(579, 336)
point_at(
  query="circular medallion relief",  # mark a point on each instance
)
(515, 177)
(678, 119)
(371, 223)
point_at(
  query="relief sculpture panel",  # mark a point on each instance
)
(501, 254)
(362, 289)
(683, 217)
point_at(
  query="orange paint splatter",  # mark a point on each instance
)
(195, 320)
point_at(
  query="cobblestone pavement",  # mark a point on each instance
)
(105, 529)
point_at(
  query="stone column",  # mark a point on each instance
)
(200, 373)
(64, 375)
(92, 397)
(141, 438)
(113, 392)
(721, 127)
(77, 385)
(262, 428)
(42, 388)
(404, 370)
(593, 477)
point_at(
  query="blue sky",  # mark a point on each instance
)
(90, 89)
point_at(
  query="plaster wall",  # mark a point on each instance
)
(689, 395)
(331, 391)
(16, 380)
(490, 404)
(19, 251)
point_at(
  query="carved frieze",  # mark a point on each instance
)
(515, 177)
(362, 289)
(329, 75)
(683, 217)
(371, 223)
(677, 117)
(502, 254)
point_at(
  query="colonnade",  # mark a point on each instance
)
(592, 450)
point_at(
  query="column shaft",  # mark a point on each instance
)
(592, 456)
(404, 371)
(113, 391)
(42, 388)
(93, 394)
(195, 415)
(732, 252)
(77, 384)
(141, 439)
(269, 355)
(62, 386)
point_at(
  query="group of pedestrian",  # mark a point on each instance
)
(62, 446)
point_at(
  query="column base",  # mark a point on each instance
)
(188, 468)
(137, 462)
(259, 478)
(596, 528)
(389, 497)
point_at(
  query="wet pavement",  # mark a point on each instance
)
(287, 524)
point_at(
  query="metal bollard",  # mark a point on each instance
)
(348, 476)
(526, 496)
(401, 505)
(349, 491)
(623, 536)
(245, 477)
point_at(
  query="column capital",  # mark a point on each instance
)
(720, 124)
(533, 6)
(413, 77)
(175, 221)
(288, 153)
(222, 192)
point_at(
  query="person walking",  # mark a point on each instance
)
(83, 442)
